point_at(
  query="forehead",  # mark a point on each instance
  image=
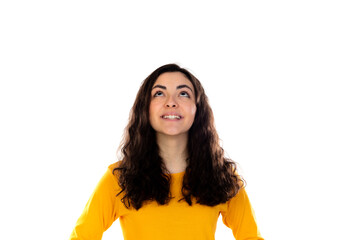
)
(173, 79)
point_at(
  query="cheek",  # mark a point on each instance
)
(151, 114)
(152, 110)
(193, 110)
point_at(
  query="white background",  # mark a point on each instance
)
(282, 78)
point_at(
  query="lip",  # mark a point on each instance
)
(171, 113)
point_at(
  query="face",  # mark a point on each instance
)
(172, 106)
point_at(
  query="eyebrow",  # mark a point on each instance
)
(178, 87)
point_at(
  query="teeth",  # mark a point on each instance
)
(171, 117)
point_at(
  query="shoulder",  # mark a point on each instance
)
(112, 166)
(114, 175)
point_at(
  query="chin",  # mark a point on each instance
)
(172, 133)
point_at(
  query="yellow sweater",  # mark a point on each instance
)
(175, 221)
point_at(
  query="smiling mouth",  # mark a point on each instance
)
(171, 117)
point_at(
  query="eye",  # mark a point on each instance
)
(158, 93)
(184, 94)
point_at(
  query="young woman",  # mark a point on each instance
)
(173, 180)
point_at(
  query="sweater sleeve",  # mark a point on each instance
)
(101, 210)
(240, 217)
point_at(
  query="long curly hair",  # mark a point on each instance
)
(210, 178)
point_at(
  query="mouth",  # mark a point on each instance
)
(171, 116)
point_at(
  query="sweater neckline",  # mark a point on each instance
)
(177, 174)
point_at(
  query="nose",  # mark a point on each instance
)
(170, 102)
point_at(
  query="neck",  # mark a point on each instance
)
(173, 151)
